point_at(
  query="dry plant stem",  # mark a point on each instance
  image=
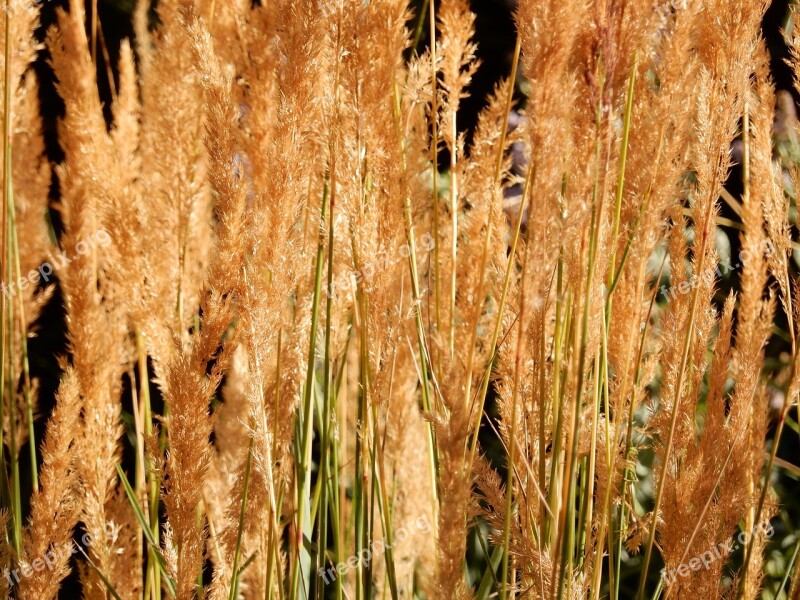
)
(454, 225)
(12, 413)
(435, 167)
(23, 337)
(626, 132)
(606, 515)
(273, 549)
(512, 436)
(484, 260)
(613, 277)
(324, 475)
(362, 512)
(153, 576)
(678, 393)
(7, 333)
(417, 300)
(567, 524)
(4, 271)
(379, 478)
(529, 177)
(94, 33)
(585, 521)
(234, 590)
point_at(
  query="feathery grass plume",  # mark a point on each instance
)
(27, 190)
(761, 218)
(31, 179)
(189, 383)
(376, 173)
(23, 19)
(97, 359)
(456, 53)
(719, 107)
(269, 187)
(55, 507)
(141, 34)
(470, 210)
(660, 126)
(549, 32)
(231, 436)
(275, 129)
(178, 208)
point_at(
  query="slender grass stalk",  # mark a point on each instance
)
(562, 327)
(485, 257)
(788, 573)
(623, 159)
(153, 574)
(416, 298)
(327, 383)
(274, 529)
(749, 518)
(16, 494)
(612, 281)
(454, 225)
(93, 39)
(504, 569)
(6, 332)
(234, 589)
(361, 525)
(587, 482)
(421, 22)
(567, 522)
(139, 513)
(306, 420)
(23, 337)
(435, 167)
(339, 541)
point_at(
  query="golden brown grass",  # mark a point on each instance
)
(340, 333)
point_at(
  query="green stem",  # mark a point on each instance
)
(303, 484)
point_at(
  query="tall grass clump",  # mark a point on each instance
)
(324, 344)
